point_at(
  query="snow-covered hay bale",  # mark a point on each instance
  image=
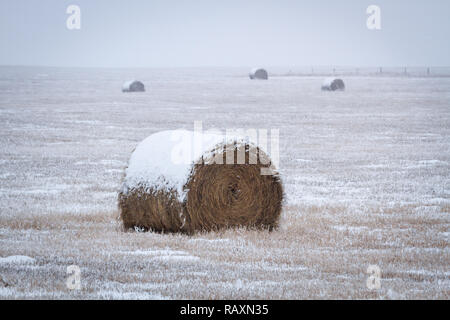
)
(258, 73)
(178, 181)
(333, 84)
(133, 86)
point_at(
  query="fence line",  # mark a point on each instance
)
(372, 71)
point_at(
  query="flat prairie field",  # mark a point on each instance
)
(366, 176)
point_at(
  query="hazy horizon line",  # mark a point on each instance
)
(223, 66)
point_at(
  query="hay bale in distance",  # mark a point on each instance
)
(133, 86)
(164, 195)
(258, 73)
(333, 84)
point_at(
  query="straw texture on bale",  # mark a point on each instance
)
(333, 84)
(215, 195)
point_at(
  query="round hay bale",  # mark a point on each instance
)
(258, 73)
(333, 84)
(133, 86)
(179, 187)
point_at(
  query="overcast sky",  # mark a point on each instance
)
(177, 33)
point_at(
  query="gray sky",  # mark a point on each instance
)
(177, 33)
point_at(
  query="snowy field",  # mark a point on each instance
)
(366, 175)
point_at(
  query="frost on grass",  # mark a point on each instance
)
(365, 173)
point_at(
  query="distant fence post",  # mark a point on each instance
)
(381, 70)
(428, 71)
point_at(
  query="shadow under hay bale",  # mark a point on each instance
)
(133, 86)
(333, 84)
(212, 195)
(259, 74)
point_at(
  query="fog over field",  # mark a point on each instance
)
(366, 176)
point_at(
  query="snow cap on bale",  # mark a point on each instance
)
(133, 86)
(258, 73)
(181, 181)
(333, 84)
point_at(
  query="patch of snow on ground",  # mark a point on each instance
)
(165, 255)
(119, 295)
(17, 260)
